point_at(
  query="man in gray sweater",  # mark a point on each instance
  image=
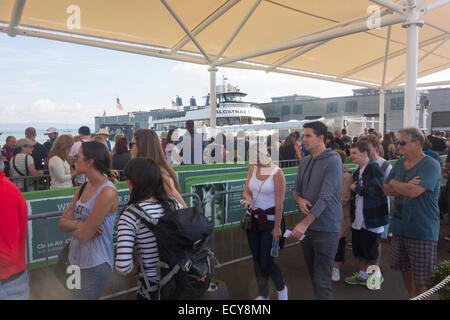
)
(318, 188)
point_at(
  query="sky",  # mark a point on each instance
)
(49, 82)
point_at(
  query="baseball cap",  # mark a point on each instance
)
(51, 130)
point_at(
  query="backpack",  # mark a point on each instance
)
(182, 237)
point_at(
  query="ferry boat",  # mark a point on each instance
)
(233, 114)
(231, 110)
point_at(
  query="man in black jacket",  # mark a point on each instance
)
(369, 211)
(39, 151)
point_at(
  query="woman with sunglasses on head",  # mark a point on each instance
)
(145, 181)
(90, 218)
(263, 196)
(145, 143)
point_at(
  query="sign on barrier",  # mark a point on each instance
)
(46, 230)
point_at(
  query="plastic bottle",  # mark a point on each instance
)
(374, 279)
(275, 248)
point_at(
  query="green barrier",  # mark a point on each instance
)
(228, 208)
(45, 201)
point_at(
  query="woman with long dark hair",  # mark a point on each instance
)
(388, 144)
(145, 143)
(145, 181)
(121, 154)
(90, 218)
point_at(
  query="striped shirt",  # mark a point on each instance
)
(130, 234)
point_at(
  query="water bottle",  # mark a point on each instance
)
(275, 248)
(374, 279)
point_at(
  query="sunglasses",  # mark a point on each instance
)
(403, 143)
(132, 144)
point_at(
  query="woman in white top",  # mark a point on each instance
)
(59, 168)
(263, 196)
(172, 140)
(22, 164)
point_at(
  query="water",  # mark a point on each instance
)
(40, 137)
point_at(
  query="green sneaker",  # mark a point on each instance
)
(356, 279)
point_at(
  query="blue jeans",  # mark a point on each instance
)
(93, 281)
(260, 243)
(18, 289)
(319, 250)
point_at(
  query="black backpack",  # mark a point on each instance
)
(182, 236)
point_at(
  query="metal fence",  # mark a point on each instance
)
(46, 216)
(32, 183)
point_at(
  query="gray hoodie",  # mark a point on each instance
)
(319, 180)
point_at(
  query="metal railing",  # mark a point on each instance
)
(41, 182)
(238, 247)
(46, 216)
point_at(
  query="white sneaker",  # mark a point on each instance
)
(335, 275)
(283, 294)
(261, 298)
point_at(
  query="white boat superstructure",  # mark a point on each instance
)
(231, 110)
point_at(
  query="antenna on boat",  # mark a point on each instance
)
(224, 79)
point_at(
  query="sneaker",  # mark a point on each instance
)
(447, 238)
(356, 279)
(283, 294)
(261, 298)
(335, 275)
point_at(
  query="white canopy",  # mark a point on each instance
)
(377, 44)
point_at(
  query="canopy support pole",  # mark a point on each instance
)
(208, 21)
(186, 30)
(212, 100)
(16, 16)
(412, 42)
(386, 55)
(294, 43)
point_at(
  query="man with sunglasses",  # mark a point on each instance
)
(414, 182)
(85, 135)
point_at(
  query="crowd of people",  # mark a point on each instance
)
(334, 203)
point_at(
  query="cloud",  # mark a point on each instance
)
(49, 111)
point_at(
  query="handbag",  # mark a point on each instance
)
(246, 220)
(60, 269)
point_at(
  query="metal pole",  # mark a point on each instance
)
(412, 24)
(381, 117)
(213, 100)
(16, 16)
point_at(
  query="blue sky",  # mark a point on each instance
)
(46, 81)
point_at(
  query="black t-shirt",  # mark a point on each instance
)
(39, 154)
(437, 144)
(48, 145)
